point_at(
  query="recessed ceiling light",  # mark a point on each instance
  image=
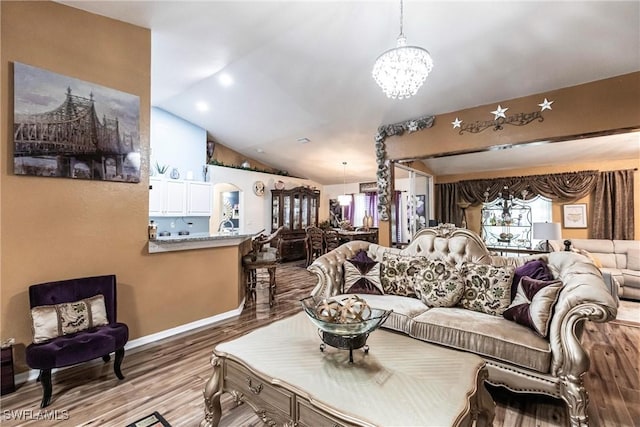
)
(202, 106)
(225, 79)
(304, 140)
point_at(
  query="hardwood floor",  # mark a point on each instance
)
(169, 376)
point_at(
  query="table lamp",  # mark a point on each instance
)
(547, 231)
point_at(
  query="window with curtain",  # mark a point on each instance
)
(541, 211)
(364, 203)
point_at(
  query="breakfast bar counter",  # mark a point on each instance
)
(196, 241)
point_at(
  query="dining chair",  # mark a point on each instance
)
(331, 240)
(314, 243)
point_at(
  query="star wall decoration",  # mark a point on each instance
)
(546, 105)
(499, 112)
(500, 119)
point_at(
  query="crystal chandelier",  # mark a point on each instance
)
(401, 71)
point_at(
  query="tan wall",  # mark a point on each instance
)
(473, 213)
(601, 106)
(56, 228)
(592, 107)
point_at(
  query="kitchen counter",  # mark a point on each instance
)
(196, 241)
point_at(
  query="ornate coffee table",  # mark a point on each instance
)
(278, 371)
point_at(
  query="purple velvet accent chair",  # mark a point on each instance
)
(81, 346)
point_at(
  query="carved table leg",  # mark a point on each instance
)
(212, 392)
(272, 285)
(484, 404)
(577, 398)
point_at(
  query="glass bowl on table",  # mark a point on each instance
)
(344, 323)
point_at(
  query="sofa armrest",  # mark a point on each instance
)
(584, 296)
(328, 268)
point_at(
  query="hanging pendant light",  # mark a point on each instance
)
(401, 71)
(344, 199)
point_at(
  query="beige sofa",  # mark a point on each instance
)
(619, 258)
(516, 357)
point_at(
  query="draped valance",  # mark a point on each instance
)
(558, 187)
(613, 216)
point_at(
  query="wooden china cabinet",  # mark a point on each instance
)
(295, 209)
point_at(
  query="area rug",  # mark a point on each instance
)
(151, 420)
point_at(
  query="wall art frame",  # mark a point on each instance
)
(71, 128)
(574, 215)
(369, 187)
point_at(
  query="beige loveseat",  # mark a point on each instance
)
(516, 357)
(620, 258)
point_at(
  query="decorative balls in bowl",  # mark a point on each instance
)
(346, 316)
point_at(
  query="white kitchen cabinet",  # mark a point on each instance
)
(199, 198)
(167, 197)
(179, 198)
(176, 202)
(156, 197)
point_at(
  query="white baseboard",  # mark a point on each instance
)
(32, 374)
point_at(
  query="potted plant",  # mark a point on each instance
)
(161, 169)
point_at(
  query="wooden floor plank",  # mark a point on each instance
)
(168, 376)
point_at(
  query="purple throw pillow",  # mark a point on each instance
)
(536, 269)
(362, 275)
(533, 304)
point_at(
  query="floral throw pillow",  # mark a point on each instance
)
(440, 284)
(533, 304)
(73, 317)
(487, 288)
(362, 275)
(400, 273)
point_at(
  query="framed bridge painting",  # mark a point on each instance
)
(66, 127)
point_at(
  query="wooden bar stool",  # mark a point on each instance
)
(251, 271)
(265, 254)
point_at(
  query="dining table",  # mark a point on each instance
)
(370, 235)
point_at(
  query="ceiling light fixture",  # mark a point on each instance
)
(202, 106)
(225, 79)
(401, 71)
(344, 199)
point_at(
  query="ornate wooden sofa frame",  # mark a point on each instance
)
(583, 297)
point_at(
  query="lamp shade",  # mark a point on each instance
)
(547, 230)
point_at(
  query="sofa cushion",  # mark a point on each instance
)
(487, 288)
(631, 278)
(400, 273)
(486, 335)
(51, 321)
(440, 284)
(594, 259)
(536, 269)
(533, 304)
(633, 259)
(362, 275)
(404, 309)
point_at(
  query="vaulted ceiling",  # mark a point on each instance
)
(302, 69)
